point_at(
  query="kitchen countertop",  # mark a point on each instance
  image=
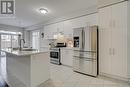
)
(67, 48)
(24, 53)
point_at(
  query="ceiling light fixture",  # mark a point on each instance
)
(43, 11)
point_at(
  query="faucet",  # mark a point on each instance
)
(20, 44)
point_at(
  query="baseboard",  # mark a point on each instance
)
(115, 77)
(67, 65)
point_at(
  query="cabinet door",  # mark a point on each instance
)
(105, 40)
(67, 57)
(119, 40)
(105, 51)
(46, 32)
(49, 31)
(60, 27)
(68, 31)
(79, 22)
(53, 30)
(104, 18)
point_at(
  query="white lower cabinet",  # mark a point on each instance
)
(113, 40)
(67, 57)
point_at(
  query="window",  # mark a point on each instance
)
(9, 39)
(5, 41)
(35, 39)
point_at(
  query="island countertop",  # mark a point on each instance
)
(24, 53)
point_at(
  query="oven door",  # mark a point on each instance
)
(54, 55)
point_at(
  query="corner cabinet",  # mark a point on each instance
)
(113, 40)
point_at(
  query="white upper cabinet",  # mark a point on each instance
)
(84, 21)
(66, 27)
(102, 3)
(104, 17)
(113, 40)
(68, 31)
(78, 22)
(60, 27)
(48, 34)
(53, 29)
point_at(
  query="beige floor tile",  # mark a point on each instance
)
(62, 76)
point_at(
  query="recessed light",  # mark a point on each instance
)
(43, 11)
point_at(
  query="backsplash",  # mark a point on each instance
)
(68, 41)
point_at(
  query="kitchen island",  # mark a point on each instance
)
(30, 67)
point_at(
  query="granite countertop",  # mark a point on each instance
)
(24, 53)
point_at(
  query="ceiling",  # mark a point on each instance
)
(27, 14)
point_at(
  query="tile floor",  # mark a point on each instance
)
(62, 76)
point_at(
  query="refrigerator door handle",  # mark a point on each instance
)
(84, 58)
(83, 39)
(89, 60)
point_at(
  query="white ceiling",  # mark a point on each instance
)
(27, 10)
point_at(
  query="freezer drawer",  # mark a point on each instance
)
(88, 54)
(85, 65)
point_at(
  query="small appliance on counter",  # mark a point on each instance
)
(55, 55)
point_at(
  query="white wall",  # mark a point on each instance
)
(11, 28)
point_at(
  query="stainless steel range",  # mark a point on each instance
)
(55, 56)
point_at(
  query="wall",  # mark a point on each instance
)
(10, 28)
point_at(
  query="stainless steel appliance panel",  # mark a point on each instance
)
(86, 66)
(78, 33)
(55, 56)
(85, 56)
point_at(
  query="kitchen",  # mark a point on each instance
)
(67, 49)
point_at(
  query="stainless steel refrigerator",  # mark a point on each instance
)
(85, 58)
